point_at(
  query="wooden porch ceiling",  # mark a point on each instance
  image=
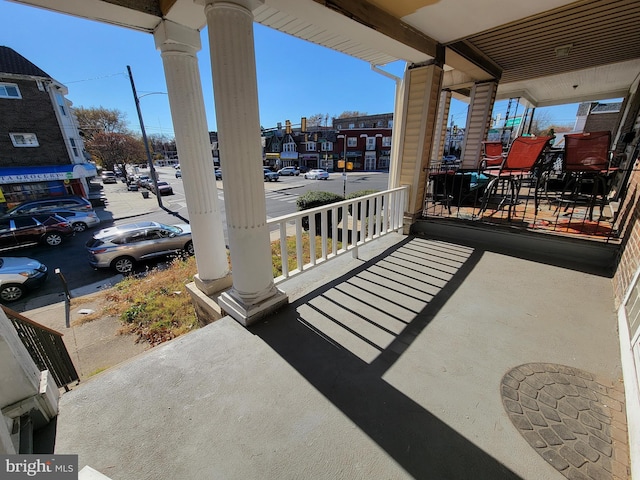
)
(549, 51)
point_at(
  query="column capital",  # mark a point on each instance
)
(248, 4)
(171, 36)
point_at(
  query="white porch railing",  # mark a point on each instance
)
(359, 221)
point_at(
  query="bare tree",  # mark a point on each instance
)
(110, 149)
(348, 114)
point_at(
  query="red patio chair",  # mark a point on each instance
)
(492, 155)
(587, 160)
(518, 164)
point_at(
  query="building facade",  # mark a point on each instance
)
(41, 150)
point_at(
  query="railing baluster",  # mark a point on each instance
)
(284, 254)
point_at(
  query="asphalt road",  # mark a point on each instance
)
(71, 256)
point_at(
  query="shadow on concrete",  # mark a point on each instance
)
(343, 348)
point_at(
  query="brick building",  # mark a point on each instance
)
(41, 150)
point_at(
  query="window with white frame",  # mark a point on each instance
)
(390, 124)
(352, 126)
(386, 141)
(74, 147)
(289, 147)
(24, 139)
(371, 143)
(9, 90)
(311, 146)
(60, 100)
(327, 146)
(352, 141)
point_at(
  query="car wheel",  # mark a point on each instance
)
(188, 249)
(11, 292)
(123, 265)
(79, 226)
(53, 239)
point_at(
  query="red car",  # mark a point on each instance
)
(42, 228)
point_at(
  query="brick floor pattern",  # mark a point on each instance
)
(574, 420)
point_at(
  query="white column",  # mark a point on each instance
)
(230, 27)
(178, 46)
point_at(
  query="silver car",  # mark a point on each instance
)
(80, 221)
(120, 248)
(19, 275)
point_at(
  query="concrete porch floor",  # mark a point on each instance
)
(389, 366)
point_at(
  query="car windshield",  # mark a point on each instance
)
(172, 229)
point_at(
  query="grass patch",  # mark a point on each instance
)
(157, 307)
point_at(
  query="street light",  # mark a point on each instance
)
(152, 168)
(344, 166)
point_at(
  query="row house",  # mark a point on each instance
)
(365, 143)
(41, 150)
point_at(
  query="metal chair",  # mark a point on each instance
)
(587, 163)
(518, 164)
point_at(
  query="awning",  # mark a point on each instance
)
(47, 173)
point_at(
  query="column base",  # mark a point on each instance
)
(249, 314)
(210, 287)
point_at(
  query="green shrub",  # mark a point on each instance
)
(318, 199)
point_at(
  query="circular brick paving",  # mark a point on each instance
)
(574, 420)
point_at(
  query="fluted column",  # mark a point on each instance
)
(178, 46)
(230, 27)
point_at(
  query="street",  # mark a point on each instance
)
(71, 257)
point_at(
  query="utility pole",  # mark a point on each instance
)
(152, 168)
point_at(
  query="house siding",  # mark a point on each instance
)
(34, 113)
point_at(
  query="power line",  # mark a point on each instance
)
(95, 78)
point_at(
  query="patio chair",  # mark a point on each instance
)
(587, 163)
(518, 165)
(492, 155)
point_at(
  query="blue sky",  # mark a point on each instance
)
(295, 78)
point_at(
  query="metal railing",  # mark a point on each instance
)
(341, 227)
(46, 348)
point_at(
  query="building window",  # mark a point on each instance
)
(386, 141)
(361, 124)
(60, 101)
(74, 147)
(311, 147)
(289, 147)
(24, 139)
(352, 141)
(371, 143)
(9, 90)
(390, 124)
(352, 126)
(327, 146)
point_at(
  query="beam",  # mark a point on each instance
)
(377, 19)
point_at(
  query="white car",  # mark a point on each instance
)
(18, 275)
(317, 174)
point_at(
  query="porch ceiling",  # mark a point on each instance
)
(516, 41)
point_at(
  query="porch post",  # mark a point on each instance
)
(178, 46)
(230, 27)
(483, 96)
(422, 86)
(440, 136)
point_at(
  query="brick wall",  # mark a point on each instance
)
(34, 113)
(630, 249)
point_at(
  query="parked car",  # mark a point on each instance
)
(109, 177)
(68, 202)
(80, 221)
(39, 228)
(121, 247)
(19, 275)
(163, 187)
(144, 181)
(270, 175)
(178, 173)
(317, 174)
(218, 174)
(289, 171)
